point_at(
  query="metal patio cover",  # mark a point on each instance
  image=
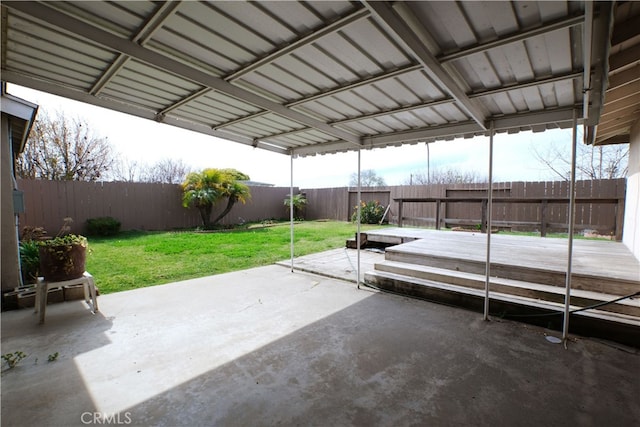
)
(309, 78)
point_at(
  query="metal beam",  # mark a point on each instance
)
(457, 129)
(291, 46)
(602, 29)
(475, 95)
(65, 92)
(512, 38)
(195, 95)
(562, 116)
(330, 92)
(536, 82)
(394, 111)
(526, 84)
(157, 20)
(412, 107)
(109, 74)
(389, 17)
(144, 33)
(587, 47)
(53, 17)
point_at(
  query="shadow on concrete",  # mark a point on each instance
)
(39, 392)
(390, 360)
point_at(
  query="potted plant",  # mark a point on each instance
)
(63, 257)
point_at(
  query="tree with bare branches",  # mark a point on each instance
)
(446, 176)
(167, 171)
(61, 148)
(592, 162)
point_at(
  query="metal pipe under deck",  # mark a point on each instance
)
(572, 220)
(489, 210)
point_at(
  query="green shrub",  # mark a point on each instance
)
(370, 212)
(29, 261)
(103, 226)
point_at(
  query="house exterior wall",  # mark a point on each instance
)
(9, 267)
(631, 236)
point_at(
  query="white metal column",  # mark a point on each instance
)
(291, 210)
(489, 213)
(359, 210)
(571, 220)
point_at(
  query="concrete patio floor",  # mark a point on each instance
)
(266, 346)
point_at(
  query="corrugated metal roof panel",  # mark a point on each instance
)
(121, 18)
(315, 75)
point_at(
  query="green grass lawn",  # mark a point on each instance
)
(139, 259)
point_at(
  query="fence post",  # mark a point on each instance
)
(619, 219)
(483, 220)
(400, 213)
(438, 203)
(543, 219)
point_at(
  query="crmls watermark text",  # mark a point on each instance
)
(105, 418)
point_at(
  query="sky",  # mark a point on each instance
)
(147, 142)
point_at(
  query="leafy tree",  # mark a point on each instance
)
(368, 178)
(592, 162)
(446, 176)
(234, 190)
(203, 190)
(60, 148)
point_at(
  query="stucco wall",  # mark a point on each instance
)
(10, 275)
(631, 236)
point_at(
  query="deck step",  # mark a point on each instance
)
(595, 322)
(629, 306)
(542, 274)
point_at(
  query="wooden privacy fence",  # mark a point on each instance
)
(142, 206)
(601, 206)
(543, 207)
(520, 205)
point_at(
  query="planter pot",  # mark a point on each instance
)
(62, 262)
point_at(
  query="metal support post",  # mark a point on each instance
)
(359, 210)
(291, 210)
(572, 220)
(489, 212)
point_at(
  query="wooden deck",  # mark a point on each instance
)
(528, 276)
(597, 258)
